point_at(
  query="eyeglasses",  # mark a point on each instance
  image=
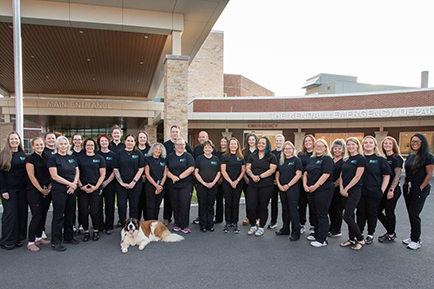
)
(416, 141)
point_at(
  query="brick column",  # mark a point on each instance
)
(5, 128)
(379, 136)
(298, 140)
(152, 133)
(176, 94)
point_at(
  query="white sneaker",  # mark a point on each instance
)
(44, 236)
(317, 244)
(302, 229)
(414, 245)
(311, 238)
(406, 241)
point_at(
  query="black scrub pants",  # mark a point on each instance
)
(274, 205)
(232, 201)
(142, 204)
(206, 198)
(180, 199)
(219, 204)
(63, 214)
(153, 201)
(367, 210)
(289, 200)
(336, 211)
(14, 219)
(320, 204)
(350, 204)
(167, 210)
(39, 205)
(88, 204)
(302, 206)
(414, 201)
(258, 197)
(388, 218)
(133, 198)
(107, 203)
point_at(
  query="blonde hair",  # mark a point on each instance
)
(377, 152)
(396, 149)
(359, 147)
(282, 155)
(327, 151)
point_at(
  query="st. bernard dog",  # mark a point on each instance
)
(143, 233)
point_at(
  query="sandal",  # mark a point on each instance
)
(252, 231)
(259, 232)
(348, 243)
(358, 246)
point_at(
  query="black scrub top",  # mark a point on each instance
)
(145, 151)
(208, 167)
(318, 166)
(116, 147)
(170, 147)
(376, 168)
(66, 168)
(259, 166)
(89, 168)
(288, 169)
(337, 169)
(349, 168)
(247, 154)
(48, 152)
(416, 177)
(40, 169)
(233, 165)
(304, 159)
(156, 168)
(177, 165)
(78, 154)
(128, 164)
(394, 161)
(108, 157)
(15, 178)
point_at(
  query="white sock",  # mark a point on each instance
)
(30, 243)
(38, 239)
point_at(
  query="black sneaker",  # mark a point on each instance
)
(119, 225)
(226, 229)
(86, 237)
(211, 229)
(369, 240)
(387, 238)
(282, 233)
(57, 247)
(95, 236)
(236, 230)
(196, 221)
(72, 241)
(203, 230)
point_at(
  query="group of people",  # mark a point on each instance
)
(349, 180)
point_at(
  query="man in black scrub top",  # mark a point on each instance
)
(169, 145)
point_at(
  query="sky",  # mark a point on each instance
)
(281, 43)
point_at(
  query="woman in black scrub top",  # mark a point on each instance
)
(418, 173)
(77, 150)
(207, 174)
(49, 141)
(38, 193)
(180, 165)
(13, 192)
(260, 168)
(224, 143)
(351, 189)
(278, 142)
(143, 145)
(391, 150)
(288, 174)
(92, 174)
(336, 207)
(156, 174)
(375, 180)
(128, 166)
(250, 147)
(233, 168)
(107, 200)
(304, 155)
(64, 175)
(318, 182)
(116, 144)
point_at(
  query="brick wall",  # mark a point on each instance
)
(238, 85)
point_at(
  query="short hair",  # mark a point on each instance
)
(116, 127)
(99, 140)
(48, 133)
(35, 139)
(209, 143)
(163, 150)
(337, 143)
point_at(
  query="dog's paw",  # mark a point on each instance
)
(141, 248)
(124, 250)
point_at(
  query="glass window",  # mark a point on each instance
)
(270, 134)
(331, 137)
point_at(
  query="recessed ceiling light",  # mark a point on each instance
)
(88, 59)
(141, 62)
(32, 56)
(46, 76)
(97, 92)
(10, 26)
(81, 31)
(57, 91)
(135, 94)
(93, 78)
(138, 80)
(146, 36)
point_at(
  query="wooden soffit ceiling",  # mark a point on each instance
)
(75, 61)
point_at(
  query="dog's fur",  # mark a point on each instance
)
(141, 234)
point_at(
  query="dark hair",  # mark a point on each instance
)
(246, 142)
(99, 140)
(116, 127)
(422, 154)
(209, 143)
(227, 142)
(48, 133)
(88, 140)
(267, 146)
(134, 138)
